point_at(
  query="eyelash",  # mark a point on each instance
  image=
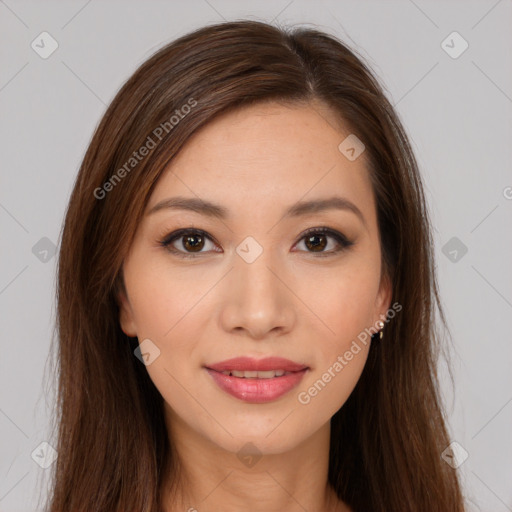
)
(343, 242)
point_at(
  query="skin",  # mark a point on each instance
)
(290, 302)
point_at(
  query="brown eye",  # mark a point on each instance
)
(316, 243)
(188, 243)
(193, 242)
(316, 240)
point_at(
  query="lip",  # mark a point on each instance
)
(256, 390)
(262, 365)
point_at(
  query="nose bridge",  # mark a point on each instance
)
(258, 300)
(256, 280)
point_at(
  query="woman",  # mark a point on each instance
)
(246, 292)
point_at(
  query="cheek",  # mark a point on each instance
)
(170, 308)
(163, 299)
(340, 355)
(346, 305)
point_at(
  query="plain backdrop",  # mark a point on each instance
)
(455, 103)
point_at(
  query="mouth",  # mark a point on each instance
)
(257, 381)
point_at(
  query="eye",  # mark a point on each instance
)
(189, 241)
(316, 240)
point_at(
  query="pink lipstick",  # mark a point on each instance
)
(257, 380)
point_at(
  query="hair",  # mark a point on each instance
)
(114, 449)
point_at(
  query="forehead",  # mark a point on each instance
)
(267, 156)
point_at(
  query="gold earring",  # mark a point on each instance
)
(381, 325)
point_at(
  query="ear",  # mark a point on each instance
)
(384, 295)
(126, 319)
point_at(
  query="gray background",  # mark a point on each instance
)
(457, 112)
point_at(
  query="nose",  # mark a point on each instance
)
(257, 300)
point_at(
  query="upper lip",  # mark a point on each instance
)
(251, 364)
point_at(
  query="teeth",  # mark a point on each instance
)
(247, 375)
(270, 374)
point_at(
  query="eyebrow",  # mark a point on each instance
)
(207, 208)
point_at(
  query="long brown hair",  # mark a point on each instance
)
(113, 446)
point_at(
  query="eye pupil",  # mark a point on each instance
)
(190, 244)
(316, 246)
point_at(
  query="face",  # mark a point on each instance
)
(251, 278)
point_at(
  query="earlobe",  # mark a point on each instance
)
(126, 320)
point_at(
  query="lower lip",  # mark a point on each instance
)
(257, 391)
